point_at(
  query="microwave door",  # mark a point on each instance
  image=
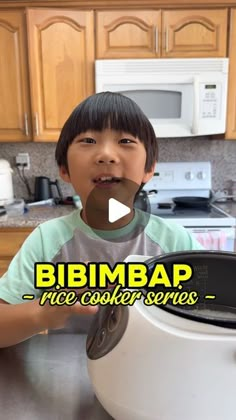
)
(169, 107)
(161, 103)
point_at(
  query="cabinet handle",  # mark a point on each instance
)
(167, 40)
(36, 124)
(156, 39)
(26, 125)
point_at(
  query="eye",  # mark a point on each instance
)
(87, 140)
(127, 141)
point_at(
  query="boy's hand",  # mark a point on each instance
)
(55, 317)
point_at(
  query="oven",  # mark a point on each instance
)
(214, 238)
(211, 226)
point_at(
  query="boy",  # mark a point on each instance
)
(107, 149)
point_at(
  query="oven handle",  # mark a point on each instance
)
(229, 231)
(221, 239)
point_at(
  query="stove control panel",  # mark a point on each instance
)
(190, 176)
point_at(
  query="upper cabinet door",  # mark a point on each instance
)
(61, 60)
(231, 111)
(194, 33)
(14, 89)
(128, 34)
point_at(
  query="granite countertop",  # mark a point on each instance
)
(35, 216)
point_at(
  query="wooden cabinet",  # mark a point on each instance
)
(166, 33)
(48, 63)
(128, 33)
(231, 111)
(61, 60)
(11, 240)
(194, 33)
(14, 84)
(4, 263)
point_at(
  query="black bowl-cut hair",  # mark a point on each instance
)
(108, 110)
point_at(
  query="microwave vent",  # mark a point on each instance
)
(162, 66)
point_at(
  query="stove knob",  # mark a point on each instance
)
(189, 175)
(201, 175)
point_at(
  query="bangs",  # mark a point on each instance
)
(116, 112)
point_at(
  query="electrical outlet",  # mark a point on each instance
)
(22, 159)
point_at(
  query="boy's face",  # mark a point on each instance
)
(93, 156)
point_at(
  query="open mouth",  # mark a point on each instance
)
(106, 180)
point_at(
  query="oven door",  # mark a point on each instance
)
(214, 238)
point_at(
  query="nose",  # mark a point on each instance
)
(107, 155)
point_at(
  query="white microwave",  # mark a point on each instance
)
(181, 97)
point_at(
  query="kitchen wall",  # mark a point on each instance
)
(221, 153)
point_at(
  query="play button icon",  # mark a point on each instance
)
(116, 210)
(113, 213)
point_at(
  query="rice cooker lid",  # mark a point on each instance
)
(214, 274)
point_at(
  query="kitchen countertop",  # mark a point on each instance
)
(46, 378)
(35, 216)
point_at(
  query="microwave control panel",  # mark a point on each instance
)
(209, 100)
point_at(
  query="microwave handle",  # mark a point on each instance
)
(195, 105)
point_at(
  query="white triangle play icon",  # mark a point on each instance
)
(116, 210)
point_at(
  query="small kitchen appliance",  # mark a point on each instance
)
(6, 184)
(182, 97)
(171, 362)
(190, 185)
(44, 189)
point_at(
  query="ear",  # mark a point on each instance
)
(64, 174)
(148, 175)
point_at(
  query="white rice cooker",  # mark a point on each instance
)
(172, 362)
(6, 184)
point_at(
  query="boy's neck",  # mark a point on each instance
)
(100, 220)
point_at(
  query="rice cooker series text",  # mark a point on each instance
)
(99, 284)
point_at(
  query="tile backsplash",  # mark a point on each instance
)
(221, 153)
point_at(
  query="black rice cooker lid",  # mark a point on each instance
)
(214, 274)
